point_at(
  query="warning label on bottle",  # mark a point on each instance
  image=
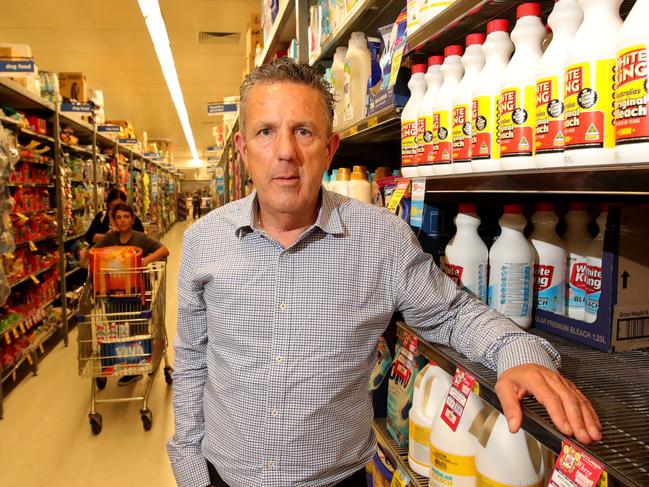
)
(517, 110)
(588, 119)
(549, 115)
(461, 134)
(631, 99)
(408, 142)
(484, 129)
(425, 142)
(442, 143)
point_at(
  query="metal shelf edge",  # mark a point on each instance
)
(391, 449)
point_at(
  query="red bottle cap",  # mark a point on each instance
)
(526, 9)
(544, 206)
(604, 208)
(454, 50)
(498, 25)
(513, 209)
(467, 208)
(418, 68)
(435, 60)
(578, 206)
(473, 39)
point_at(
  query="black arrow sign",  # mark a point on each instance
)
(625, 279)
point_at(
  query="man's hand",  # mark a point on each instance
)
(569, 409)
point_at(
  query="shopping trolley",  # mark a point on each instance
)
(121, 321)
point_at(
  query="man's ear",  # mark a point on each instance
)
(242, 147)
(332, 147)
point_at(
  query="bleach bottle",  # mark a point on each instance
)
(594, 269)
(466, 255)
(511, 269)
(549, 260)
(431, 387)
(577, 239)
(425, 154)
(497, 49)
(409, 120)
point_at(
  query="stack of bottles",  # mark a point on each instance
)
(485, 109)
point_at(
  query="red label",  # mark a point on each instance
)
(543, 93)
(507, 102)
(586, 129)
(443, 146)
(575, 468)
(408, 143)
(403, 365)
(516, 126)
(461, 135)
(631, 66)
(543, 277)
(578, 276)
(574, 81)
(549, 117)
(593, 278)
(421, 129)
(454, 272)
(457, 397)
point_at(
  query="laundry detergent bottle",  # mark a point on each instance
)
(594, 270)
(517, 123)
(358, 69)
(409, 120)
(497, 49)
(565, 19)
(425, 143)
(431, 386)
(577, 239)
(338, 82)
(588, 118)
(511, 269)
(473, 62)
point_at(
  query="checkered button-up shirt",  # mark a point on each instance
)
(275, 345)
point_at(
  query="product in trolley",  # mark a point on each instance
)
(497, 49)
(577, 239)
(590, 66)
(594, 269)
(409, 121)
(434, 79)
(473, 61)
(631, 98)
(565, 19)
(517, 121)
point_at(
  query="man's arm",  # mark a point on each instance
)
(190, 372)
(434, 306)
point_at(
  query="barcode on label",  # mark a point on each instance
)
(633, 328)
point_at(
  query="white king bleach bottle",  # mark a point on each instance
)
(577, 239)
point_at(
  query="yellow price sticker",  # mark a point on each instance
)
(22, 328)
(15, 332)
(30, 360)
(22, 217)
(32, 246)
(402, 187)
(40, 347)
(34, 279)
(7, 339)
(603, 480)
(397, 481)
(476, 388)
(396, 64)
(372, 122)
(353, 130)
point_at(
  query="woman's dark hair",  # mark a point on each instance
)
(116, 194)
(122, 207)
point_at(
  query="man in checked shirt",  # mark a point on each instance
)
(282, 297)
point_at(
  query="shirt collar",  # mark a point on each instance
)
(328, 217)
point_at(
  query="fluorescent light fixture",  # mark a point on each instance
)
(158, 32)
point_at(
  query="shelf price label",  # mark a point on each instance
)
(219, 108)
(399, 192)
(17, 68)
(576, 468)
(76, 107)
(457, 397)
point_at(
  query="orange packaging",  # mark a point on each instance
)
(113, 270)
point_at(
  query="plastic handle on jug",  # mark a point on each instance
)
(436, 373)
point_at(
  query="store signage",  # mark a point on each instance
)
(16, 68)
(76, 107)
(151, 154)
(218, 108)
(127, 141)
(214, 148)
(108, 128)
(212, 159)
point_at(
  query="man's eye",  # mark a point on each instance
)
(265, 132)
(303, 132)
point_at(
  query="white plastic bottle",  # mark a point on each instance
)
(594, 272)
(431, 386)
(549, 260)
(358, 68)
(338, 82)
(511, 269)
(341, 184)
(497, 49)
(434, 79)
(523, 467)
(588, 119)
(565, 19)
(359, 187)
(518, 95)
(466, 256)
(577, 239)
(442, 111)
(473, 62)
(409, 120)
(631, 102)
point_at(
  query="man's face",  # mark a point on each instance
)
(123, 220)
(286, 145)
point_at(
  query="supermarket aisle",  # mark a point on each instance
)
(45, 435)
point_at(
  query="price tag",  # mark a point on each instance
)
(22, 328)
(576, 468)
(396, 64)
(40, 347)
(403, 365)
(372, 122)
(30, 360)
(34, 279)
(457, 397)
(15, 332)
(22, 217)
(400, 479)
(402, 187)
(7, 339)
(32, 246)
(353, 130)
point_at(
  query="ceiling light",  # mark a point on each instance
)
(158, 32)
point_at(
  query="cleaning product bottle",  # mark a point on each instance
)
(473, 62)
(631, 101)
(511, 269)
(518, 96)
(594, 270)
(466, 255)
(359, 187)
(434, 79)
(341, 185)
(452, 453)
(338, 82)
(577, 239)
(442, 111)
(358, 69)
(497, 49)
(588, 119)
(564, 20)
(507, 459)
(549, 260)
(431, 386)
(417, 86)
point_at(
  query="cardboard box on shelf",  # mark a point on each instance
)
(73, 86)
(9, 52)
(127, 131)
(623, 317)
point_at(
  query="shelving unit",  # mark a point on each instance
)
(284, 29)
(399, 456)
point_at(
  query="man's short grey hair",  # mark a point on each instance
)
(285, 70)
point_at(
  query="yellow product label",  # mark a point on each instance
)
(420, 434)
(631, 99)
(484, 118)
(461, 133)
(425, 151)
(483, 481)
(588, 118)
(549, 114)
(449, 464)
(442, 137)
(517, 123)
(397, 481)
(408, 142)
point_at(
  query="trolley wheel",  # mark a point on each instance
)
(147, 419)
(95, 423)
(168, 375)
(101, 383)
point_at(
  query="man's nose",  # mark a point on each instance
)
(286, 145)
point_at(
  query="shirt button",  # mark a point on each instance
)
(279, 359)
(269, 463)
(283, 306)
(274, 413)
